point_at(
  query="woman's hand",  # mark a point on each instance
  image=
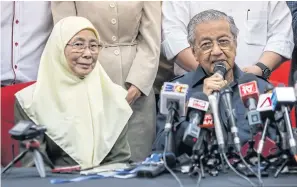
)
(133, 94)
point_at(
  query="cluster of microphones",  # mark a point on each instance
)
(216, 146)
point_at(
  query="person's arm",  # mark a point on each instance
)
(186, 60)
(280, 44)
(176, 17)
(62, 9)
(120, 153)
(19, 114)
(145, 64)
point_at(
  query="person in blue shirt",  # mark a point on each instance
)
(212, 36)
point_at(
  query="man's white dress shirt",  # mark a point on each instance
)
(263, 26)
(25, 28)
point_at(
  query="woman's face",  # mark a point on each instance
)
(82, 52)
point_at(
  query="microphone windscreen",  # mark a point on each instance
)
(200, 95)
(220, 68)
(248, 77)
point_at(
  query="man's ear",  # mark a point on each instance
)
(194, 51)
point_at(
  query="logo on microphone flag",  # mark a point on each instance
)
(175, 87)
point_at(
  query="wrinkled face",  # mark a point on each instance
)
(81, 53)
(214, 42)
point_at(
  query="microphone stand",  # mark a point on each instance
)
(283, 156)
(214, 161)
(170, 147)
(198, 156)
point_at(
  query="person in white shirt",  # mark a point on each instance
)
(25, 28)
(265, 34)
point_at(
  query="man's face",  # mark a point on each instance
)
(214, 42)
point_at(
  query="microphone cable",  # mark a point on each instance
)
(249, 167)
(260, 148)
(165, 163)
(199, 177)
(240, 155)
(235, 171)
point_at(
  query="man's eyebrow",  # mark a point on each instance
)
(205, 38)
(209, 38)
(225, 35)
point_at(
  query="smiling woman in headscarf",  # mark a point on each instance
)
(84, 112)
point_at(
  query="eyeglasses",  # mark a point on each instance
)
(207, 47)
(80, 47)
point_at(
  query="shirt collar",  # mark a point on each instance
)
(200, 75)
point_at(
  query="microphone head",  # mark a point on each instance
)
(265, 106)
(248, 88)
(283, 96)
(220, 68)
(269, 88)
(198, 101)
(173, 92)
(207, 121)
(247, 77)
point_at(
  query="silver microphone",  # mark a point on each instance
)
(217, 123)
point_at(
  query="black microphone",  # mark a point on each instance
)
(226, 95)
(220, 69)
(197, 106)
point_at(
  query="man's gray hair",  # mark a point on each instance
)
(209, 15)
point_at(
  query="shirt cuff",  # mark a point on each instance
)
(283, 48)
(172, 46)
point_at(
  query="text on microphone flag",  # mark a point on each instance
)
(198, 104)
(247, 88)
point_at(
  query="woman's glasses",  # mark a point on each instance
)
(80, 47)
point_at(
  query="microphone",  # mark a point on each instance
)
(282, 98)
(220, 69)
(249, 94)
(207, 121)
(197, 106)
(213, 101)
(226, 95)
(172, 104)
(265, 108)
(173, 93)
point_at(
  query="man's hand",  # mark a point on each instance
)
(133, 94)
(253, 69)
(213, 83)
